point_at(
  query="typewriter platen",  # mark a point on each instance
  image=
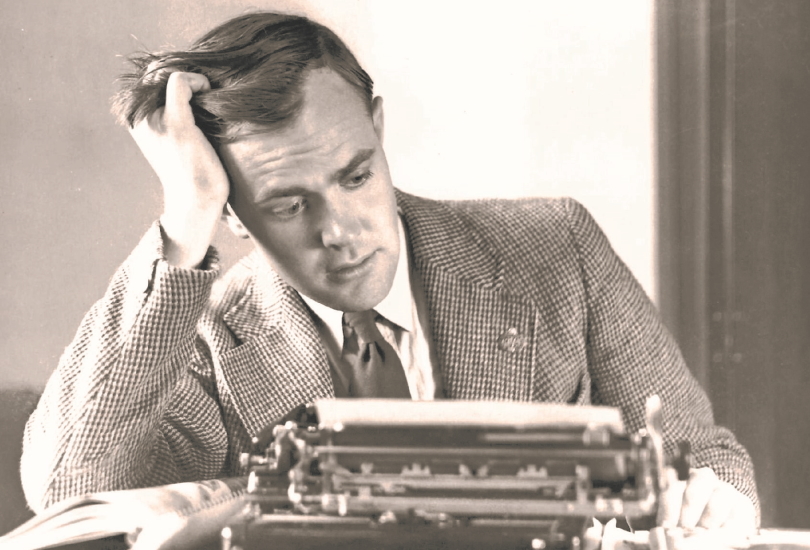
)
(445, 474)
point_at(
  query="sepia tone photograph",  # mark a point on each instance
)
(530, 265)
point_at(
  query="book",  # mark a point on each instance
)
(178, 516)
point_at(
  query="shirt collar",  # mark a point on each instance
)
(396, 307)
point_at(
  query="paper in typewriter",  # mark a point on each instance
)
(392, 412)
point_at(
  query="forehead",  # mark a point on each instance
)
(333, 119)
(328, 98)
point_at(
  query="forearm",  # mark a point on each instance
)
(632, 356)
(101, 422)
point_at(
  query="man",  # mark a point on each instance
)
(355, 289)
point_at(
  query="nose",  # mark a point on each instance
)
(340, 223)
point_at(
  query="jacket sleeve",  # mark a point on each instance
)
(632, 356)
(131, 402)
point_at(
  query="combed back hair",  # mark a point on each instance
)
(256, 64)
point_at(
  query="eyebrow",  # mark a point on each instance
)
(359, 158)
(266, 194)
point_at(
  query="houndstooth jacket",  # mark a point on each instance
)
(170, 375)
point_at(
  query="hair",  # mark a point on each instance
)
(256, 64)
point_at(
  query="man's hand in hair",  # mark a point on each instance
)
(195, 184)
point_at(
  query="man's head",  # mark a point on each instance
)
(294, 121)
(316, 197)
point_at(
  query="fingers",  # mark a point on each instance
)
(718, 508)
(699, 488)
(176, 114)
(730, 509)
(179, 90)
(711, 503)
(671, 500)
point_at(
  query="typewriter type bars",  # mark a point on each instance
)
(537, 470)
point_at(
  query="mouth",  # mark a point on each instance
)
(347, 271)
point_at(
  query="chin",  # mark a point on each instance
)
(352, 303)
(360, 299)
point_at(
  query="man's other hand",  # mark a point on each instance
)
(195, 184)
(706, 501)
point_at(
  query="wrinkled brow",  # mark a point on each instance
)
(359, 158)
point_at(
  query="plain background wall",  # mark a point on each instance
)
(482, 99)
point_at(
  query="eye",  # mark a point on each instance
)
(359, 179)
(287, 207)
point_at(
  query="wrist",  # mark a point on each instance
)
(188, 235)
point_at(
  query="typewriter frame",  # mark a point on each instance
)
(358, 485)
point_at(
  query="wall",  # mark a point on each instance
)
(543, 98)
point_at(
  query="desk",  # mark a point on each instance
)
(781, 539)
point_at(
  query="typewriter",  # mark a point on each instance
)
(391, 474)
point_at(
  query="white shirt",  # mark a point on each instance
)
(405, 326)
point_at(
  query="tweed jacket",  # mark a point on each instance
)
(170, 375)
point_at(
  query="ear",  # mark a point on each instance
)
(236, 227)
(377, 118)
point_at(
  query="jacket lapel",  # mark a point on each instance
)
(278, 336)
(484, 336)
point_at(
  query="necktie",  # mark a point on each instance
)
(376, 370)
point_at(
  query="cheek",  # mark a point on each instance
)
(384, 216)
(291, 261)
(381, 225)
(283, 243)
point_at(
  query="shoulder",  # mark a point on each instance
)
(545, 217)
(506, 226)
(535, 240)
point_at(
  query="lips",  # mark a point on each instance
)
(347, 271)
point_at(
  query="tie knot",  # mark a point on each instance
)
(362, 323)
(374, 368)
